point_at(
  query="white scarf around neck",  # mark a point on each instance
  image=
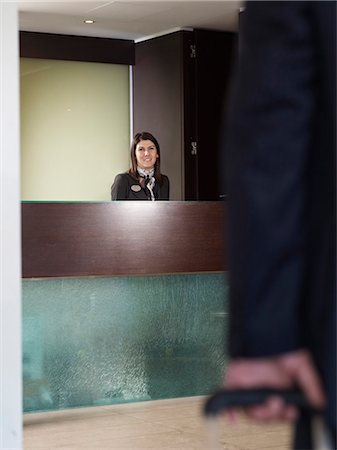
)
(148, 175)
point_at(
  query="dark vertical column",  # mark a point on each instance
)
(214, 51)
(190, 118)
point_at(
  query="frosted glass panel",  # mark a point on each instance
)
(75, 128)
(97, 341)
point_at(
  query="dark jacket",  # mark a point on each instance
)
(281, 185)
(127, 187)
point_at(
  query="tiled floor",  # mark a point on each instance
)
(162, 424)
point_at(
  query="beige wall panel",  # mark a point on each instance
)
(75, 129)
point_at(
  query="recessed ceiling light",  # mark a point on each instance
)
(89, 21)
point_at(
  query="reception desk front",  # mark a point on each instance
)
(122, 238)
(122, 301)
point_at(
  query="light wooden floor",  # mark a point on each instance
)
(162, 424)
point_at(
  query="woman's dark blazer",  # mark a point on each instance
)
(280, 141)
(127, 187)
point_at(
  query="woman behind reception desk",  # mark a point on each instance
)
(144, 180)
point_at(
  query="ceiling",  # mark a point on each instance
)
(121, 19)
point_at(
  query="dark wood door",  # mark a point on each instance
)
(214, 55)
(163, 89)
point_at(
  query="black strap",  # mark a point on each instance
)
(226, 398)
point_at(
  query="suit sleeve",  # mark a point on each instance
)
(119, 189)
(267, 140)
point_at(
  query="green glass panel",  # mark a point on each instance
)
(98, 341)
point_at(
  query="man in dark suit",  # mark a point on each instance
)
(280, 142)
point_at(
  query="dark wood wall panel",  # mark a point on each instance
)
(183, 79)
(158, 84)
(215, 52)
(76, 48)
(123, 238)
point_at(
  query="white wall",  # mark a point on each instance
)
(75, 128)
(10, 262)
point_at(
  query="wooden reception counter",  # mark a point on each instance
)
(122, 238)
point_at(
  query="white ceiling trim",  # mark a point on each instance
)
(162, 33)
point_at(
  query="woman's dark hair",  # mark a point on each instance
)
(144, 136)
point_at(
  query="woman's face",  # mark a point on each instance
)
(146, 154)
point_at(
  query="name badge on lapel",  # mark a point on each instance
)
(135, 188)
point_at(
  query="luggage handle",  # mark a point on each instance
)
(227, 398)
(224, 399)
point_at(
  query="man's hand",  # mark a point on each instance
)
(282, 371)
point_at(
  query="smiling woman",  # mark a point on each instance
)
(144, 180)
